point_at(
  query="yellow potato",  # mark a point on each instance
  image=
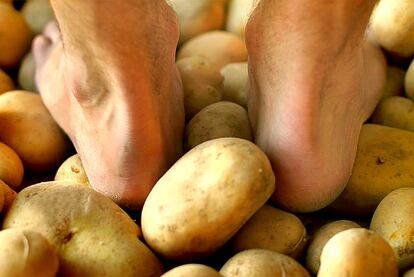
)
(393, 220)
(26, 77)
(6, 83)
(262, 263)
(94, 236)
(272, 229)
(201, 84)
(409, 81)
(37, 14)
(72, 170)
(198, 17)
(15, 36)
(357, 252)
(218, 120)
(193, 270)
(394, 85)
(11, 167)
(384, 162)
(235, 83)
(320, 238)
(206, 197)
(238, 14)
(26, 253)
(28, 128)
(395, 111)
(219, 47)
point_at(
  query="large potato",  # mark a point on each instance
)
(409, 81)
(393, 220)
(6, 83)
(395, 111)
(94, 237)
(27, 71)
(238, 14)
(392, 25)
(320, 238)
(11, 167)
(219, 47)
(357, 252)
(262, 263)
(235, 83)
(72, 170)
(198, 17)
(201, 84)
(37, 14)
(26, 253)
(28, 128)
(384, 162)
(394, 84)
(206, 197)
(272, 229)
(193, 270)
(218, 120)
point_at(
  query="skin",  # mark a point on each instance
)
(122, 108)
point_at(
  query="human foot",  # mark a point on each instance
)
(116, 92)
(313, 83)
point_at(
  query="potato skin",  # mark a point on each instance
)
(394, 222)
(357, 252)
(93, 235)
(6, 83)
(222, 182)
(193, 270)
(72, 170)
(409, 81)
(37, 14)
(218, 120)
(27, 71)
(235, 83)
(25, 252)
(11, 167)
(384, 162)
(395, 112)
(409, 273)
(272, 229)
(238, 14)
(320, 238)
(262, 263)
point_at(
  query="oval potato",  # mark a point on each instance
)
(72, 170)
(37, 14)
(193, 270)
(396, 112)
(11, 167)
(235, 83)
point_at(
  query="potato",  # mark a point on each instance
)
(198, 17)
(219, 47)
(94, 236)
(357, 252)
(28, 128)
(72, 170)
(201, 84)
(238, 14)
(37, 14)
(27, 71)
(262, 263)
(409, 273)
(272, 229)
(206, 197)
(193, 270)
(15, 36)
(384, 162)
(393, 220)
(395, 111)
(11, 167)
(392, 25)
(8, 195)
(26, 253)
(6, 83)
(409, 81)
(218, 120)
(235, 83)
(394, 85)
(320, 238)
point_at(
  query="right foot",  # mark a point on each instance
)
(115, 90)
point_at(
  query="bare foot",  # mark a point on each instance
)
(116, 92)
(313, 83)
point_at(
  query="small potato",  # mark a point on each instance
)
(396, 112)
(206, 197)
(11, 167)
(235, 83)
(262, 263)
(28, 128)
(320, 238)
(272, 229)
(26, 253)
(6, 83)
(37, 14)
(72, 170)
(201, 84)
(193, 270)
(393, 220)
(357, 252)
(218, 120)
(219, 47)
(27, 71)
(238, 14)
(394, 85)
(409, 81)
(198, 17)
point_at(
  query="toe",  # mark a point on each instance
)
(41, 48)
(52, 31)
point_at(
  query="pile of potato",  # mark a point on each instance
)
(210, 215)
